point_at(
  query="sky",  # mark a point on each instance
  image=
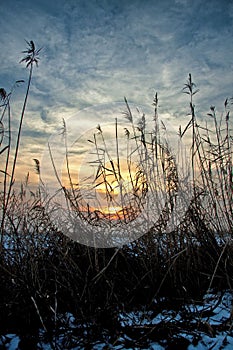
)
(96, 52)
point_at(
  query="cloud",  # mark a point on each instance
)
(98, 52)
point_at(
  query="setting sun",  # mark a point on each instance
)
(112, 196)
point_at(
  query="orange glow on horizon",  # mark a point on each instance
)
(109, 195)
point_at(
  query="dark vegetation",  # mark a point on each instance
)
(45, 275)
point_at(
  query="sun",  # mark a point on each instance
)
(114, 193)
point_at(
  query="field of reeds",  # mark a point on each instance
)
(75, 294)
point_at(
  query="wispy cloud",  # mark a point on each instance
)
(98, 52)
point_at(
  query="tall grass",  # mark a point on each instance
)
(31, 58)
(45, 275)
(139, 181)
(211, 153)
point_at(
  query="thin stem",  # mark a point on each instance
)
(19, 135)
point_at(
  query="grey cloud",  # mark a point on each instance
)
(99, 52)
(44, 115)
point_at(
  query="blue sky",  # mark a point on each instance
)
(97, 52)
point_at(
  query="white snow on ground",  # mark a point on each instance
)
(11, 342)
(215, 310)
(219, 342)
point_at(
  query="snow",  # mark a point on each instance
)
(212, 312)
(11, 341)
(220, 342)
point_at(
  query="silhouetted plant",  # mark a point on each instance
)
(31, 58)
(44, 274)
(211, 155)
